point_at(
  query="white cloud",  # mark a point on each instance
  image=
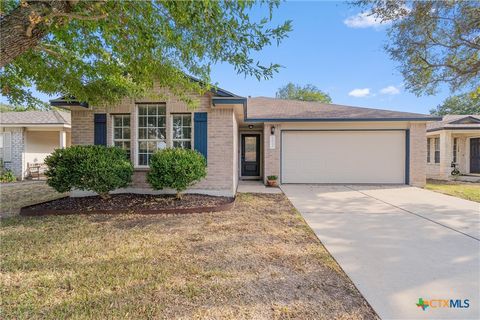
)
(364, 20)
(390, 90)
(359, 93)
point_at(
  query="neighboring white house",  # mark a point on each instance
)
(27, 137)
(455, 139)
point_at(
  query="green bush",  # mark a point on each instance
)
(93, 168)
(7, 176)
(176, 169)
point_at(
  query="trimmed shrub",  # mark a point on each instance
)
(176, 169)
(93, 168)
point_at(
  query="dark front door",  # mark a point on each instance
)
(250, 155)
(475, 155)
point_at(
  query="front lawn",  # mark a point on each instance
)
(13, 196)
(464, 190)
(259, 260)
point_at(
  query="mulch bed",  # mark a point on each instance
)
(131, 203)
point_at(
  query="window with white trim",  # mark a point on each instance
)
(455, 148)
(121, 132)
(437, 150)
(6, 146)
(429, 151)
(182, 130)
(1, 146)
(151, 131)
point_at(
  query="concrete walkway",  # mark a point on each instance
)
(399, 244)
(255, 186)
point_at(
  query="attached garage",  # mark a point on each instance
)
(344, 156)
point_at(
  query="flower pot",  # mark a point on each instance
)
(272, 183)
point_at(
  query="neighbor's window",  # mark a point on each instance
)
(428, 149)
(1, 147)
(437, 150)
(455, 143)
(151, 131)
(182, 130)
(121, 132)
(6, 146)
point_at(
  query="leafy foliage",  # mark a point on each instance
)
(306, 93)
(176, 168)
(435, 42)
(9, 108)
(102, 51)
(6, 175)
(461, 104)
(94, 168)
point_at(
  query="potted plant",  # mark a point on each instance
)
(272, 181)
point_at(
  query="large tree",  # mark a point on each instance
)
(101, 51)
(435, 42)
(460, 104)
(308, 92)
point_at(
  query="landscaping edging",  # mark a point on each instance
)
(33, 211)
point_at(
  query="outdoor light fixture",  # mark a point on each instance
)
(272, 130)
(250, 126)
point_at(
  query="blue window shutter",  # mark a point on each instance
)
(100, 129)
(201, 133)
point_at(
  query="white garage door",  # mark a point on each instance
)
(343, 157)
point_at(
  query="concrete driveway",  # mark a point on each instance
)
(399, 244)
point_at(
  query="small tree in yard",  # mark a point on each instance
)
(93, 168)
(176, 169)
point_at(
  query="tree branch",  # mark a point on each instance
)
(72, 16)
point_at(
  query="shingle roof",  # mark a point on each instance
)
(456, 121)
(35, 117)
(293, 110)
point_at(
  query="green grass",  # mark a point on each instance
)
(257, 261)
(469, 191)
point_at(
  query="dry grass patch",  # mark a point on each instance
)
(257, 261)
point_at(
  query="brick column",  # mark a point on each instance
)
(17, 164)
(418, 154)
(446, 156)
(271, 161)
(62, 137)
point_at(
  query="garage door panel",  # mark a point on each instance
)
(343, 157)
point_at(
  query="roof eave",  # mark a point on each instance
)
(454, 128)
(340, 119)
(67, 103)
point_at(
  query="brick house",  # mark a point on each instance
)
(252, 138)
(454, 139)
(27, 137)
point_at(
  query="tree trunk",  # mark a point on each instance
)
(24, 27)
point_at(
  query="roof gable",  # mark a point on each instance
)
(466, 120)
(456, 122)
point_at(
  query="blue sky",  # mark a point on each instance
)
(337, 50)
(324, 51)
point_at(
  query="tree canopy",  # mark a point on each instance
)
(460, 104)
(102, 51)
(435, 42)
(308, 92)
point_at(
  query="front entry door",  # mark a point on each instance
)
(250, 155)
(475, 155)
